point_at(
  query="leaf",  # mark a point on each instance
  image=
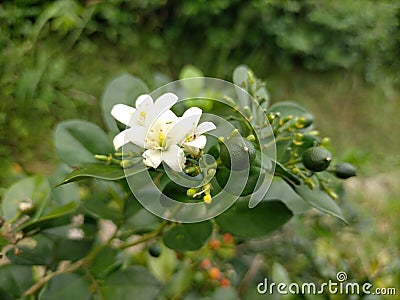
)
(100, 171)
(187, 237)
(77, 141)
(124, 89)
(287, 108)
(255, 222)
(225, 293)
(14, 281)
(105, 262)
(192, 86)
(320, 200)
(53, 218)
(35, 189)
(65, 287)
(282, 191)
(100, 206)
(133, 283)
(38, 255)
(240, 75)
(66, 194)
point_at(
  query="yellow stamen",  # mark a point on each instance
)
(161, 137)
(143, 114)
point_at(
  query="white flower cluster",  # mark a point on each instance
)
(154, 127)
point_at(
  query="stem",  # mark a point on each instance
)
(279, 139)
(292, 162)
(145, 237)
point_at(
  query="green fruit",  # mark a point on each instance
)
(316, 159)
(237, 153)
(344, 170)
(155, 250)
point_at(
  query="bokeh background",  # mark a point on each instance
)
(339, 59)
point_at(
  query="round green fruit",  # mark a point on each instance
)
(155, 250)
(316, 159)
(344, 170)
(237, 153)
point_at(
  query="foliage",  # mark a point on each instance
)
(144, 255)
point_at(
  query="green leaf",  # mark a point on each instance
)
(65, 287)
(123, 89)
(100, 206)
(54, 218)
(77, 141)
(180, 282)
(66, 194)
(320, 200)
(282, 191)
(105, 262)
(193, 86)
(35, 189)
(14, 281)
(187, 237)
(287, 108)
(240, 75)
(133, 283)
(255, 222)
(99, 171)
(225, 293)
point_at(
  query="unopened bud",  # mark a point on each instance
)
(211, 172)
(125, 163)
(251, 138)
(26, 207)
(332, 194)
(191, 192)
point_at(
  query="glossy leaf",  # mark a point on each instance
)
(77, 141)
(240, 75)
(281, 190)
(287, 108)
(65, 287)
(255, 222)
(123, 89)
(105, 262)
(99, 171)
(188, 237)
(35, 189)
(320, 200)
(133, 283)
(14, 281)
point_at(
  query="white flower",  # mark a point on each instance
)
(154, 127)
(142, 116)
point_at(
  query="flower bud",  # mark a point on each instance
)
(191, 192)
(125, 164)
(26, 207)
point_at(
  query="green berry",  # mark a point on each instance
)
(344, 170)
(316, 159)
(237, 153)
(155, 250)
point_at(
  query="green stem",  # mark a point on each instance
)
(145, 237)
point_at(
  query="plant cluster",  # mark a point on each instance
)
(105, 239)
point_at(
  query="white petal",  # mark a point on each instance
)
(174, 157)
(120, 140)
(161, 105)
(168, 117)
(199, 142)
(122, 113)
(205, 127)
(152, 158)
(193, 111)
(136, 135)
(180, 130)
(144, 99)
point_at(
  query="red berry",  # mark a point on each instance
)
(227, 238)
(214, 244)
(224, 282)
(206, 264)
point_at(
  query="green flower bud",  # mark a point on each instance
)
(125, 163)
(26, 207)
(191, 192)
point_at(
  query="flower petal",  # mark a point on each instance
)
(205, 127)
(183, 127)
(144, 99)
(174, 157)
(122, 113)
(161, 105)
(152, 158)
(136, 135)
(193, 111)
(199, 142)
(120, 140)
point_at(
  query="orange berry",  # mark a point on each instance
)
(206, 264)
(214, 244)
(227, 238)
(214, 273)
(224, 282)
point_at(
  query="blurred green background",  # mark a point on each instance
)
(340, 59)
